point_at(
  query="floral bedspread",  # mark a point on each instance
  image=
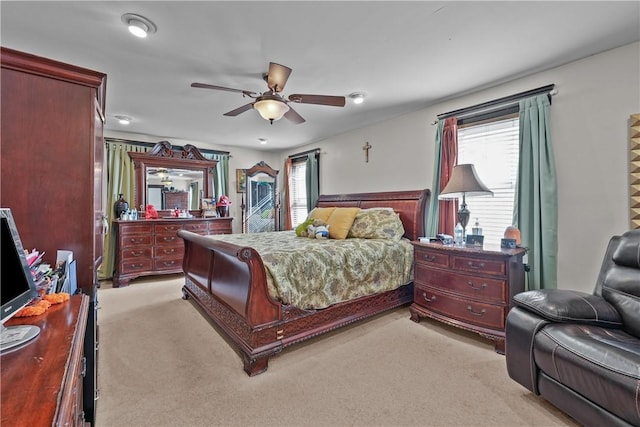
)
(316, 273)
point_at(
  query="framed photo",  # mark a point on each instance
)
(209, 208)
(475, 240)
(241, 180)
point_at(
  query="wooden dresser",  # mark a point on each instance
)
(467, 287)
(149, 247)
(42, 382)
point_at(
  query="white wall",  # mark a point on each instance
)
(240, 159)
(589, 126)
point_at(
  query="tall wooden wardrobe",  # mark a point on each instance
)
(51, 167)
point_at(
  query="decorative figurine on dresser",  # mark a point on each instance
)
(467, 286)
(149, 245)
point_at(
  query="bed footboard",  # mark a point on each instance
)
(228, 282)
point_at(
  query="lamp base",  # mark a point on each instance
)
(463, 218)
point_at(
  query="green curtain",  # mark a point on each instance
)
(536, 199)
(312, 180)
(434, 205)
(221, 175)
(120, 180)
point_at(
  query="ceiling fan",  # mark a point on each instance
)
(270, 104)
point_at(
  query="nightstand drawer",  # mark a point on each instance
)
(478, 287)
(479, 265)
(477, 313)
(431, 257)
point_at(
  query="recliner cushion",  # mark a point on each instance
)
(601, 364)
(561, 305)
(621, 283)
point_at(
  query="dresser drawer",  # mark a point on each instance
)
(436, 258)
(454, 307)
(128, 241)
(197, 227)
(220, 227)
(135, 265)
(167, 239)
(172, 263)
(168, 251)
(134, 252)
(135, 227)
(478, 287)
(167, 228)
(479, 265)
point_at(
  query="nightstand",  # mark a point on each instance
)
(467, 287)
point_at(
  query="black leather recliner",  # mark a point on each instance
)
(581, 351)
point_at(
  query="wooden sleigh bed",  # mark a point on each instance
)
(228, 282)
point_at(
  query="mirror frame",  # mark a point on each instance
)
(262, 167)
(164, 156)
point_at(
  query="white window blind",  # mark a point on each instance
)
(493, 149)
(298, 193)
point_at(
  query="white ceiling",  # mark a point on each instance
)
(404, 56)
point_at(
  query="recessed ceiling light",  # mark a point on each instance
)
(123, 120)
(357, 97)
(138, 25)
(262, 140)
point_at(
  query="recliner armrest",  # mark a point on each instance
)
(562, 305)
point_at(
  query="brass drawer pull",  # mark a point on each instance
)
(168, 251)
(168, 263)
(138, 253)
(475, 266)
(427, 299)
(430, 258)
(475, 313)
(134, 240)
(476, 288)
(169, 239)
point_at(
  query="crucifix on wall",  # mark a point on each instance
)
(366, 148)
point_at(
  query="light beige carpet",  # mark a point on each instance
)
(161, 363)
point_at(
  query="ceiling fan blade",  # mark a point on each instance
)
(228, 89)
(334, 101)
(239, 110)
(293, 116)
(277, 76)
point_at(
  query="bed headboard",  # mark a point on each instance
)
(411, 205)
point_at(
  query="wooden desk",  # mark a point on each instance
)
(41, 383)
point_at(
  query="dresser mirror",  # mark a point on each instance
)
(168, 178)
(261, 209)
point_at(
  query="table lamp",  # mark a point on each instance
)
(464, 182)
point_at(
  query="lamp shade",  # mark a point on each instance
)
(464, 181)
(271, 108)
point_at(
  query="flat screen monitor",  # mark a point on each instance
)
(17, 287)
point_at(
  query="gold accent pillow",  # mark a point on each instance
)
(377, 223)
(321, 213)
(340, 222)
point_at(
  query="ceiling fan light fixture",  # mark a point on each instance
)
(138, 25)
(271, 109)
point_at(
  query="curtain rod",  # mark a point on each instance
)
(304, 153)
(549, 89)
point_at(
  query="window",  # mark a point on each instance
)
(298, 192)
(492, 147)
